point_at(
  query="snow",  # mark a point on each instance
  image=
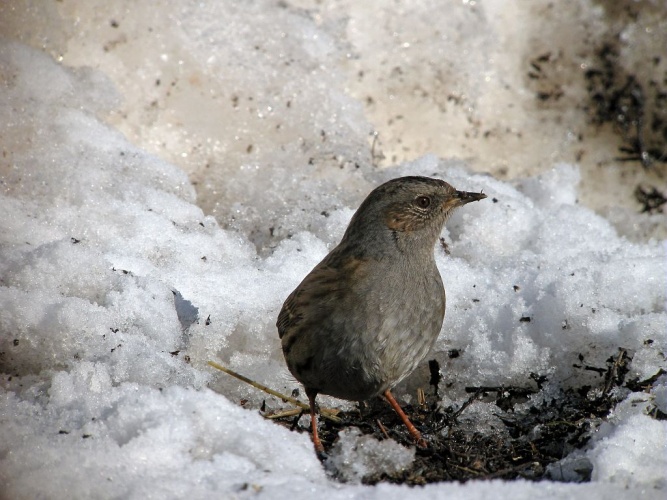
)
(122, 274)
(356, 456)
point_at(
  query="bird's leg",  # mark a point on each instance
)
(416, 435)
(313, 422)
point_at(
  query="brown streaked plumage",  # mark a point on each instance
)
(367, 315)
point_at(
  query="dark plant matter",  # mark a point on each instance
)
(533, 440)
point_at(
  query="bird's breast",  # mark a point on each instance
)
(393, 327)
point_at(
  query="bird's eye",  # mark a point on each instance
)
(423, 201)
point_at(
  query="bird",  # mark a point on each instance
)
(365, 317)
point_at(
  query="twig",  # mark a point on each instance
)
(613, 371)
(286, 413)
(325, 413)
(421, 397)
(383, 429)
(467, 403)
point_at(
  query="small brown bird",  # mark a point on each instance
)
(368, 314)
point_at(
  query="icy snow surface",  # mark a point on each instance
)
(116, 288)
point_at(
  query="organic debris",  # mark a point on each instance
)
(527, 441)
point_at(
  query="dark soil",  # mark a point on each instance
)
(526, 441)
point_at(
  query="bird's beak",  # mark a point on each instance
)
(463, 197)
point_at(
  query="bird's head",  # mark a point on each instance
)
(410, 211)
